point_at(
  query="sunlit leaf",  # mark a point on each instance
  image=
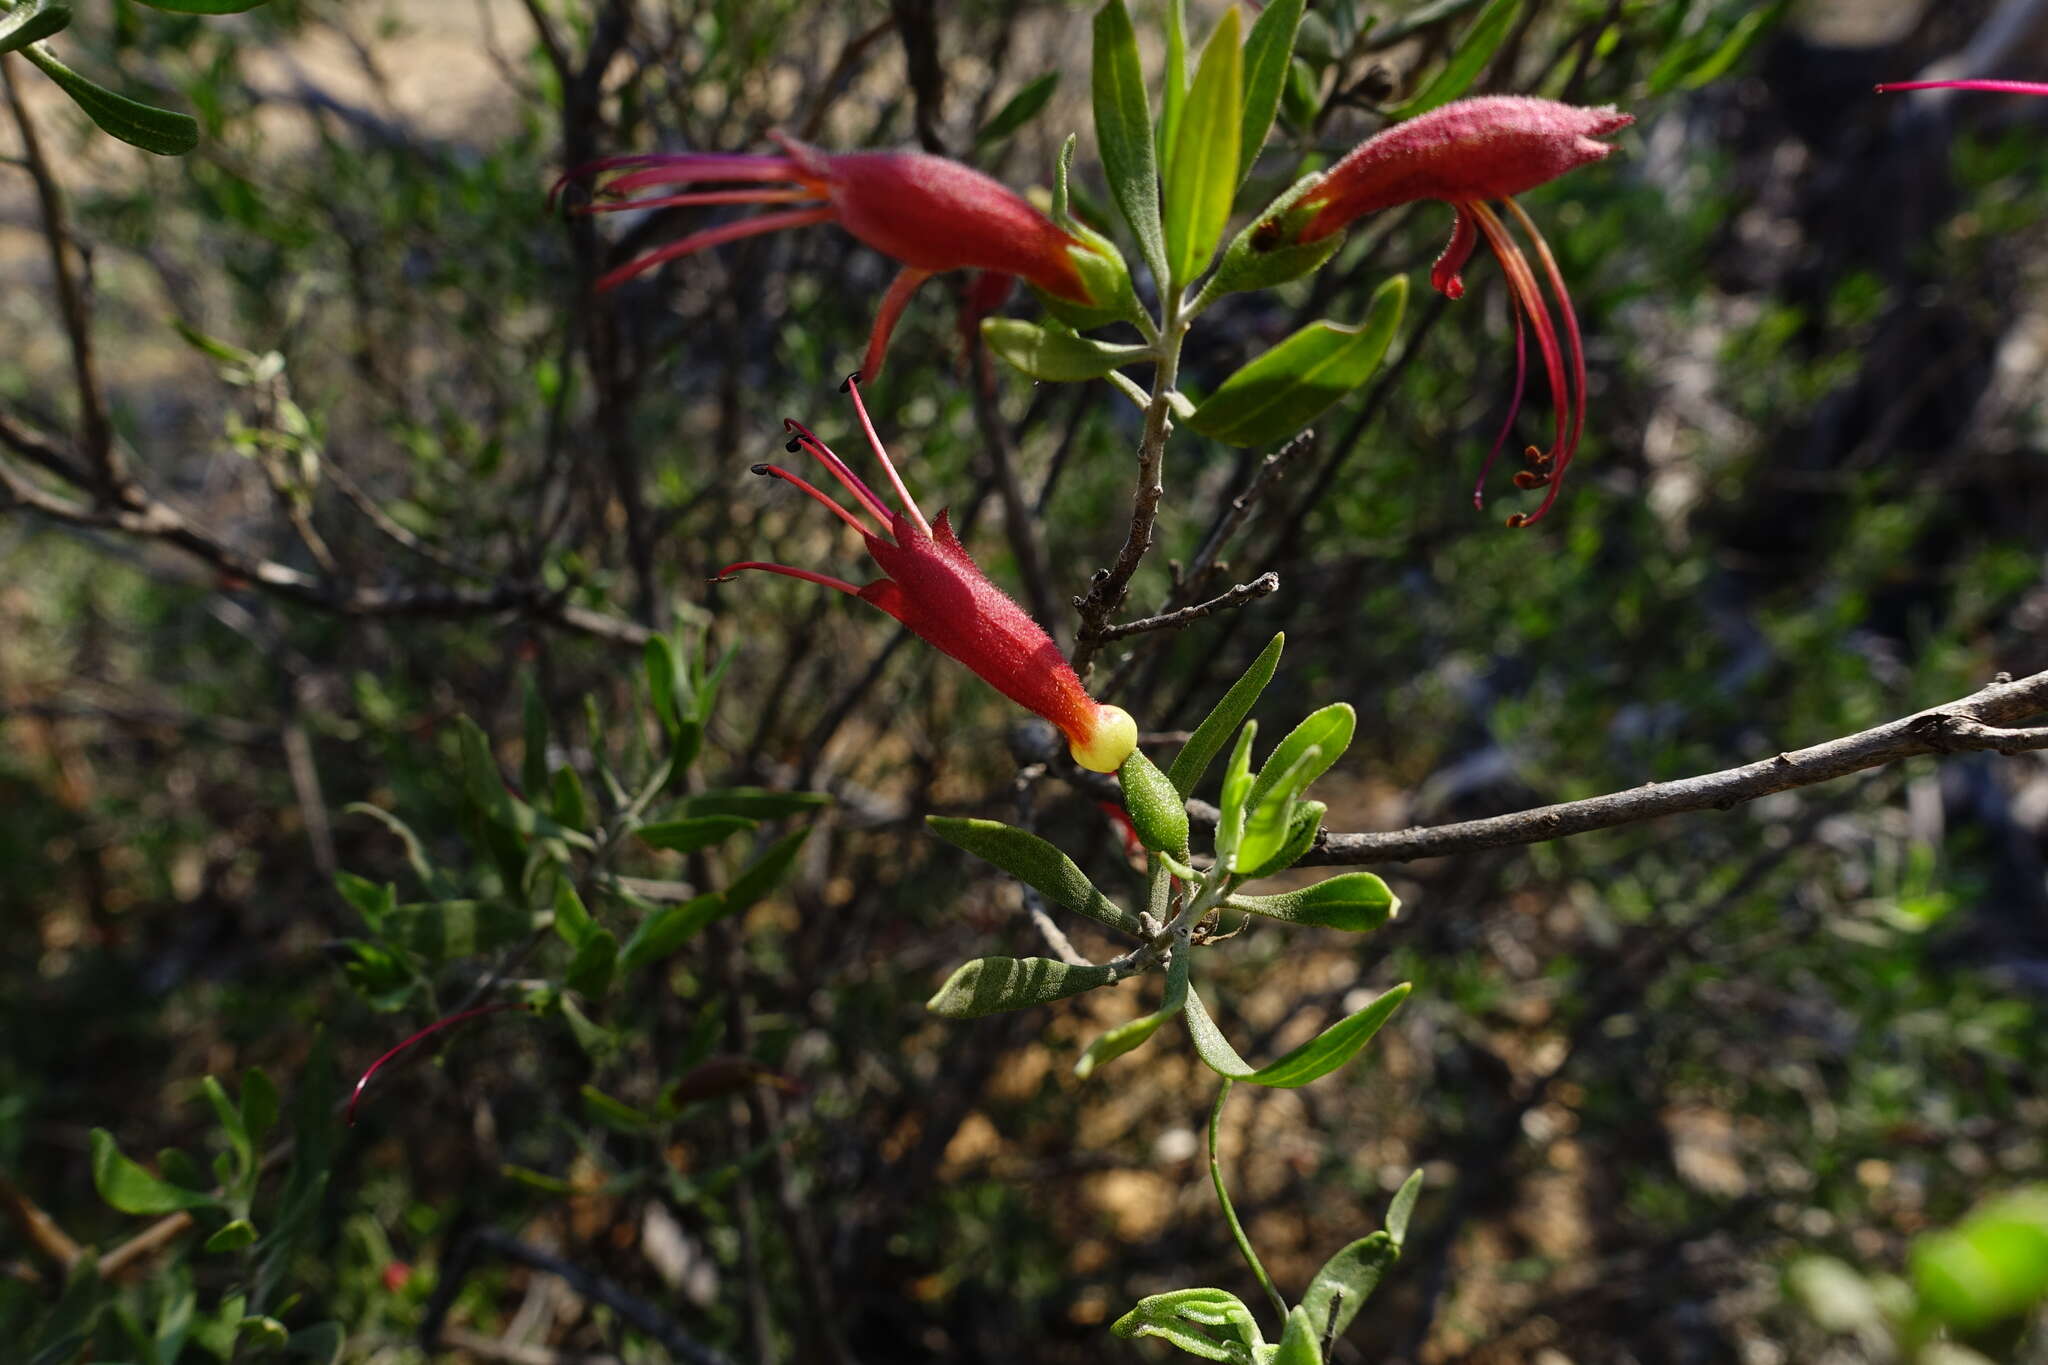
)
(1036, 863)
(1355, 902)
(1157, 811)
(1123, 131)
(32, 22)
(1057, 357)
(1282, 391)
(1201, 170)
(991, 985)
(1210, 1323)
(1209, 737)
(1316, 1058)
(130, 1188)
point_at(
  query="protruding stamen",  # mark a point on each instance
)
(822, 580)
(893, 303)
(710, 237)
(1528, 296)
(1578, 356)
(778, 472)
(702, 197)
(852, 482)
(895, 479)
(357, 1097)
(1997, 87)
(688, 170)
(1514, 408)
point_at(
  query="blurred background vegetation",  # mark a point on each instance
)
(1642, 1069)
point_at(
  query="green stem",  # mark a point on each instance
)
(1244, 1243)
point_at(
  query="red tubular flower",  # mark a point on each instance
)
(931, 586)
(927, 212)
(1467, 153)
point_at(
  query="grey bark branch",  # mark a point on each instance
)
(1173, 620)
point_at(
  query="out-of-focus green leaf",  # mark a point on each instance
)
(32, 22)
(667, 929)
(765, 873)
(754, 803)
(590, 970)
(1992, 1265)
(1207, 741)
(1740, 39)
(1316, 1058)
(991, 985)
(1355, 902)
(1836, 1296)
(155, 130)
(1127, 1036)
(1282, 391)
(1268, 52)
(1123, 131)
(232, 1236)
(1037, 864)
(1201, 171)
(441, 931)
(259, 1104)
(1018, 110)
(616, 1115)
(1474, 50)
(1213, 1324)
(573, 923)
(1158, 812)
(204, 6)
(1054, 356)
(692, 832)
(130, 1188)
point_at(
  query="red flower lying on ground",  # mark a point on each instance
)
(931, 586)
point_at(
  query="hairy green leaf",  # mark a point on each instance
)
(1123, 131)
(1202, 747)
(1127, 1036)
(1268, 52)
(1300, 1344)
(1037, 864)
(1356, 902)
(1327, 730)
(1057, 357)
(1158, 812)
(1282, 391)
(1342, 1286)
(1201, 170)
(1211, 1323)
(32, 22)
(991, 985)
(1316, 1058)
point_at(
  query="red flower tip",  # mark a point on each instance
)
(931, 585)
(1467, 154)
(356, 1097)
(929, 213)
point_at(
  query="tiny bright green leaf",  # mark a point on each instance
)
(1327, 729)
(233, 1236)
(1036, 863)
(1269, 815)
(1123, 131)
(1018, 110)
(32, 22)
(1237, 790)
(1282, 391)
(1158, 812)
(692, 832)
(1268, 53)
(1201, 170)
(130, 1188)
(1203, 745)
(1300, 1344)
(1054, 356)
(1474, 50)
(991, 985)
(1356, 902)
(159, 131)
(1402, 1207)
(1302, 826)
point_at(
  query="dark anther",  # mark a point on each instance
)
(1526, 479)
(1536, 457)
(1517, 522)
(794, 445)
(763, 468)
(849, 381)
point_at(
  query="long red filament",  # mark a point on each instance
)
(822, 580)
(701, 198)
(1514, 407)
(893, 303)
(853, 482)
(1998, 87)
(1522, 282)
(778, 472)
(710, 237)
(895, 479)
(1578, 357)
(428, 1031)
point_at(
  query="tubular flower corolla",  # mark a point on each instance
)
(929, 213)
(1466, 154)
(931, 586)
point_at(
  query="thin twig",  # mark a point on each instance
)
(1259, 587)
(1271, 470)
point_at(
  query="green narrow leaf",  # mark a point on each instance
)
(1328, 729)
(1237, 789)
(572, 919)
(1302, 825)
(1123, 131)
(1316, 1058)
(1747, 30)
(204, 6)
(755, 803)
(1468, 59)
(667, 929)
(1402, 1208)
(130, 1188)
(1356, 902)
(991, 985)
(570, 805)
(616, 1115)
(33, 22)
(1269, 815)
(665, 681)
(1127, 1036)
(693, 832)
(230, 1115)
(1347, 1279)
(765, 873)
(1158, 812)
(233, 1236)
(1173, 93)
(1277, 394)
(590, 970)
(1202, 747)
(1213, 1324)
(1037, 864)
(1018, 110)
(1201, 171)
(259, 1104)
(1268, 53)
(1056, 357)
(142, 125)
